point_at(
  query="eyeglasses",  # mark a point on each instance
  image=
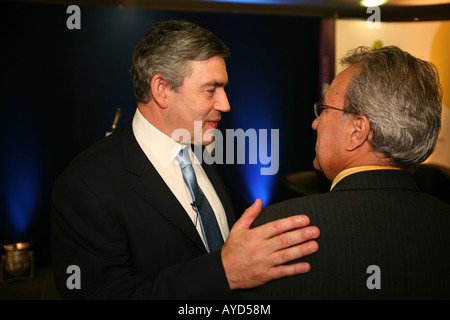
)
(319, 107)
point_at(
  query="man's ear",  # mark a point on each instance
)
(159, 88)
(360, 131)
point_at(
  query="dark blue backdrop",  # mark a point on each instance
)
(60, 88)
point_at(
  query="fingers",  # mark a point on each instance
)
(252, 257)
(249, 215)
(281, 226)
(289, 270)
(293, 253)
(280, 270)
(292, 238)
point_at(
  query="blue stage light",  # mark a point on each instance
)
(257, 185)
(254, 109)
(20, 188)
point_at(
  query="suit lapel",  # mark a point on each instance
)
(218, 185)
(152, 188)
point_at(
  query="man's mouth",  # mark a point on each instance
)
(213, 123)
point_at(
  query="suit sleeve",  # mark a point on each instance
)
(86, 234)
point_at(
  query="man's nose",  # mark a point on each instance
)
(314, 124)
(222, 104)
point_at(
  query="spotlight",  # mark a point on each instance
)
(372, 3)
(17, 262)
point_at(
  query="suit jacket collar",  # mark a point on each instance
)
(157, 194)
(152, 188)
(378, 179)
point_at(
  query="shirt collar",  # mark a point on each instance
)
(350, 171)
(162, 147)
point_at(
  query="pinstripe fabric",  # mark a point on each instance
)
(370, 218)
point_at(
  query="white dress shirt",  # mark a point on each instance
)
(162, 150)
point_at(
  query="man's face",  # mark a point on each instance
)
(201, 98)
(330, 128)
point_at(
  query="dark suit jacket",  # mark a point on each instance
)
(376, 218)
(115, 218)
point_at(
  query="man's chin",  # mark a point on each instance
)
(207, 139)
(204, 142)
(316, 164)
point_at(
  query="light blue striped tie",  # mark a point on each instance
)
(210, 228)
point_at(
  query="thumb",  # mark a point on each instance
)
(249, 215)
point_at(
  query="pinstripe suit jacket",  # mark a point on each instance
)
(373, 218)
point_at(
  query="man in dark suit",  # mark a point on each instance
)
(125, 225)
(381, 238)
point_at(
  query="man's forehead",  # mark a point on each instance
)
(210, 72)
(338, 87)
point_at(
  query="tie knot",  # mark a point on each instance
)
(184, 158)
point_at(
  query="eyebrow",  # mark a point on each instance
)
(216, 84)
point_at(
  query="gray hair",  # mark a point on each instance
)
(166, 49)
(401, 97)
